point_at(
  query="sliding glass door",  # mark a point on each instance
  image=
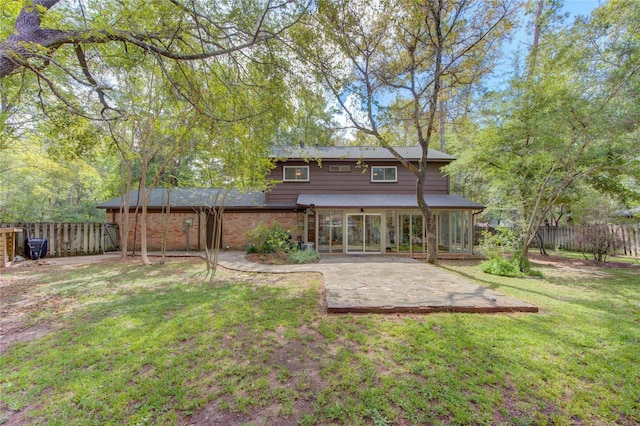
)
(363, 233)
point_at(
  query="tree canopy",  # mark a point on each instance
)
(568, 118)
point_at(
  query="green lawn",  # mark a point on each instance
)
(127, 344)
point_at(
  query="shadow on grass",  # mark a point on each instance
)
(143, 354)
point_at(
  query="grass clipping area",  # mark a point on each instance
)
(120, 343)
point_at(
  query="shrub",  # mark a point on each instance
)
(495, 246)
(273, 239)
(598, 240)
(304, 256)
(501, 266)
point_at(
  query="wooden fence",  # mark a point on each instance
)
(625, 239)
(69, 239)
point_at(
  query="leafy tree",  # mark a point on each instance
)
(38, 185)
(569, 116)
(216, 96)
(69, 45)
(389, 64)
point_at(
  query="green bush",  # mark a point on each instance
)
(496, 246)
(501, 266)
(270, 239)
(304, 256)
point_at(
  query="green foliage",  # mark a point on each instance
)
(40, 185)
(502, 247)
(304, 256)
(501, 266)
(270, 239)
(498, 242)
(566, 120)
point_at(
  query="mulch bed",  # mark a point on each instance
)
(269, 258)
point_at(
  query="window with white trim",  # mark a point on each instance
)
(295, 173)
(384, 174)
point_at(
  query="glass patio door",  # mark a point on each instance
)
(363, 233)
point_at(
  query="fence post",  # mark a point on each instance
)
(85, 239)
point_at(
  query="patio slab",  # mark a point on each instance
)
(388, 284)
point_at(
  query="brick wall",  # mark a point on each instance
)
(234, 224)
(176, 236)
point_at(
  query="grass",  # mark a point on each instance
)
(127, 344)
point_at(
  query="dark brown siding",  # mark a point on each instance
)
(357, 181)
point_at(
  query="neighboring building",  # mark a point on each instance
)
(343, 199)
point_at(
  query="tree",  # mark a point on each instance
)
(217, 61)
(389, 64)
(58, 34)
(570, 116)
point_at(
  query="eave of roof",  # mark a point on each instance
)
(436, 201)
(354, 152)
(193, 198)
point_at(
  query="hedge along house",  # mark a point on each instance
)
(360, 200)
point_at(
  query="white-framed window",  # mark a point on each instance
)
(384, 174)
(295, 173)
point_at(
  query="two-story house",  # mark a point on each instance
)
(342, 199)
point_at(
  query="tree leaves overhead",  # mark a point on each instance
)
(70, 46)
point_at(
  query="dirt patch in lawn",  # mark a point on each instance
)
(26, 301)
(564, 262)
(19, 312)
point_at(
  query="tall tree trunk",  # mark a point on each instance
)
(427, 215)
(126, 167)
(143, 217)
(166, 219)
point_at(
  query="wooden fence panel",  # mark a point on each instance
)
(626, 238)
(64, 239)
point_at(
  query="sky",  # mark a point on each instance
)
(580, 7)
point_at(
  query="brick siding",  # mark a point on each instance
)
(234, 224)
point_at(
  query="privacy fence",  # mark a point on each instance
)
(69, 239)
(623, 239)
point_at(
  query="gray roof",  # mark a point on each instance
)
(437, 201)
(194, 197)
(357, 152)
(628, 212)
(206, 197)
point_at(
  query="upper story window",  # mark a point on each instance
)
(384, 174)
(295, 173)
